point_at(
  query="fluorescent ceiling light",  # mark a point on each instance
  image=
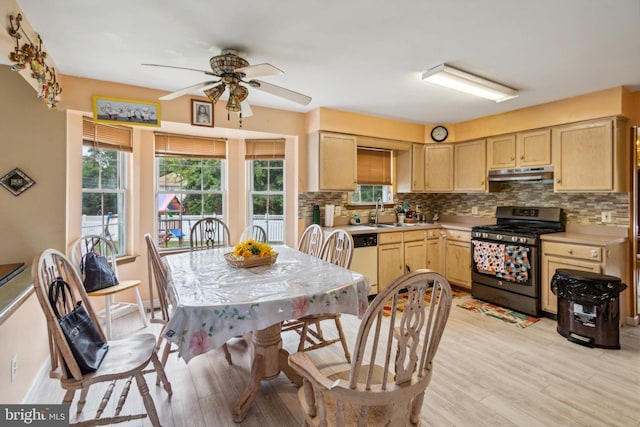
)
(453, 78)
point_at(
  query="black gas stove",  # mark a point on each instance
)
(506, 256)
(520, 225)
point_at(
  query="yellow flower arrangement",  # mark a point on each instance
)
(250, 248)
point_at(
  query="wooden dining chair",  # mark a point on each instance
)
(338, 250)
(311, 240)
(105, 247)
(125, 360)
(254, 232)
(160, 279)
(392, 364)
(209, 233)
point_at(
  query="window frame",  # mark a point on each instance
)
(121, 191)
(183, 242)
(268, 193)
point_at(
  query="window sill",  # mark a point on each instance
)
(126, 259)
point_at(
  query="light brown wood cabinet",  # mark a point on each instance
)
(390, 258)
(457, 257)
(470, 166)
(524, 149)
(332, 162)
(590, 156)
(400, 252)
(415, 250)
(438, 168)
(597, 258)
(410, 169)
(434, 250)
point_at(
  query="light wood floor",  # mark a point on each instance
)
(486, 373)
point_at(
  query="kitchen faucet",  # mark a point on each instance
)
(381, 208)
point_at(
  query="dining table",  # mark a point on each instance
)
(213, 301)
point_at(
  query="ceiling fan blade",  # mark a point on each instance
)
(176, 94)
(259, 70)
(246, 109)
(281, 92)
(181, 68)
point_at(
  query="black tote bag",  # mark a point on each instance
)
(97, 272)
(84, 339)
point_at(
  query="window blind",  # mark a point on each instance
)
(264, 149)
(102, 135)
(374, 166)
(174, 145)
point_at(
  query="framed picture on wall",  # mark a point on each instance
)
(201, 113)
(126, 111)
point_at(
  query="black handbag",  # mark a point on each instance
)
(97, 272)
(84, 339)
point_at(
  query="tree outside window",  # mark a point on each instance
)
(189, 189)
(266, 197)
(104, 194)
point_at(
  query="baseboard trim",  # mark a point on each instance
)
(632, 321)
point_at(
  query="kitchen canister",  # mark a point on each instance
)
(329, 211)
(316, 214)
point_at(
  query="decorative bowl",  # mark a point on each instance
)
(247, 262)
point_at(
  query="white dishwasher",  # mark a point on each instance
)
(365, 258)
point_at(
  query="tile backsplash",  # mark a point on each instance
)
(578, 208)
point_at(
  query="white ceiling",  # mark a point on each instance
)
(364, 56)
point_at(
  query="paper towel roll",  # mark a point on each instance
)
(329, 211)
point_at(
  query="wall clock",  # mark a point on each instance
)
(439, 133)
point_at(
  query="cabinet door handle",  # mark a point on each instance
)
(570, 251)
(408, 269)
(521, 157)
(558, 181)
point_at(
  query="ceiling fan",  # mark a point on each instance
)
(231, 70)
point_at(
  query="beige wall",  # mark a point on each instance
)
(33, 139)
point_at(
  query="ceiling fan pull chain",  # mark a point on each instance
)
(240, 114)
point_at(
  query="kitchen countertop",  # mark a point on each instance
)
(365, 228)
(587, 234)
(14, 293)
(583, 238)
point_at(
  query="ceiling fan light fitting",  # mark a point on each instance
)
(215, 92)
(453, 78)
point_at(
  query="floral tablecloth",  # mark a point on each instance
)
(213, 301)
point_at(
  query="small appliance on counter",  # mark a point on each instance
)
(329, 212)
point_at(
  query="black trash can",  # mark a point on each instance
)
(588, 307)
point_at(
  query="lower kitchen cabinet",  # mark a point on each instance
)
(415, 250)
(602, 258)
(458, 258)
(390, 258)
(434, 250)
(400, 252)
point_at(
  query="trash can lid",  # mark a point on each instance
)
(587, 276)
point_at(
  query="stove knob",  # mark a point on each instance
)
(484, 235)
(498, 236)
(514, 238)
(523, 240)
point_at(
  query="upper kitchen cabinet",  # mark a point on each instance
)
(525, 149)
(438, 168)
(332, 162)
(590, 156)
(470, 166)
(410, 166)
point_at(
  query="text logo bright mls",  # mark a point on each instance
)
(34, 415)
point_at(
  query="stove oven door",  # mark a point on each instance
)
(506, 275)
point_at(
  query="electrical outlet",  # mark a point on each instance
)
(606, 217)
(474, 210)
(14, 367)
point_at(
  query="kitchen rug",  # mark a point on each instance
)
(516, 318)
(386, 311)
